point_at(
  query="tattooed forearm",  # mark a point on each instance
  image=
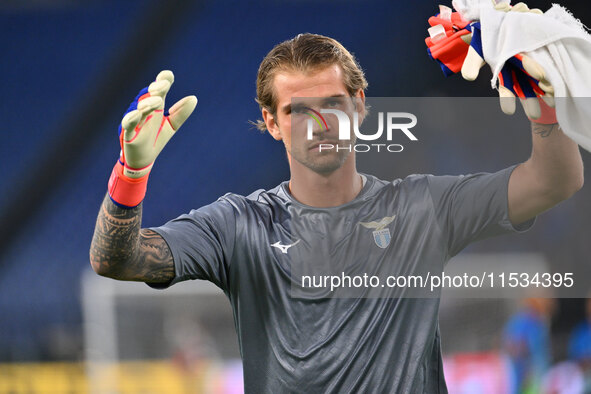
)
(156, 264)
(115, 238)
(120, 249)
(544, 130)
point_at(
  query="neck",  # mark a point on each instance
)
(325, 190)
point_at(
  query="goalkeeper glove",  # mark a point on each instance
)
(449, 40)
(144, 131)
(520, 76)
(523, 77)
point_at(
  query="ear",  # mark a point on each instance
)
(360, 101)
(271, 124)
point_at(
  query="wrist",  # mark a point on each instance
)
(124, 191)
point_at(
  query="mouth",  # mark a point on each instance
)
(316, 145)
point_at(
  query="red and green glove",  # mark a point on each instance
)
(145, 129)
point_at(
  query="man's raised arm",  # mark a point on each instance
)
(120, 248)
(553, 173)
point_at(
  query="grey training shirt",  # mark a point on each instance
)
(257, 249)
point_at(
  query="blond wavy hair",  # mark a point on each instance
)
(305, 53)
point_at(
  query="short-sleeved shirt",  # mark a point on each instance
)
(246, 246)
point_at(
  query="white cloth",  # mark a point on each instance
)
(557, 41)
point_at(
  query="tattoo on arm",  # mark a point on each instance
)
(156, 263)
(120, 249)
(543, 130)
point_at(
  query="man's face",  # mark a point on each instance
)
(289, 124)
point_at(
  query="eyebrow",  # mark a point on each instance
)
(287, 108)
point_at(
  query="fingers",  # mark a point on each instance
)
(531, 106)
(129, 123)
(149, 104)
(507, 100)
(503, 6)
(528, 92)
(536, 71)
(165, 75)
(472, 65)
(533, 68)
(474, 58)
(136, 117)
(159, 89)
(546, 87)
(520, 7)
(161, 85)
(180, 111)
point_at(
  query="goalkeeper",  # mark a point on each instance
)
(245, 246)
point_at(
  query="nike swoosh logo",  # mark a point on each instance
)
(284, 248)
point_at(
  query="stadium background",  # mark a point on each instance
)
(69, 69)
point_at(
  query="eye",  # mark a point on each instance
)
(335, 102)
(298, 109)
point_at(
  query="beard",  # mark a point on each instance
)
(323, 161)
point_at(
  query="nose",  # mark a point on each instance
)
(316, 128)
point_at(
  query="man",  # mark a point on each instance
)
(526, 341)
(246, 246)
(579, 346)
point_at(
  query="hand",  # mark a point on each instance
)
(145, 128)
(520, 77)
(523, 77)
(144, 131)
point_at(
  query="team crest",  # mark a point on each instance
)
(382, 238)
(381, 235)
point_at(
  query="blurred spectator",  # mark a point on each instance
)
(526, 340)
(579, 348)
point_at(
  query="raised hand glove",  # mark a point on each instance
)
(144, 131)
(474, 58)
(520, 76)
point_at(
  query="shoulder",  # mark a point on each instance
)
(258, 198)
(259, 202)
(501, 176)
(415, 183)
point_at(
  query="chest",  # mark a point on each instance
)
(310, 253)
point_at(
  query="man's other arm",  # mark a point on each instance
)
(120, 249)
(553, 173)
